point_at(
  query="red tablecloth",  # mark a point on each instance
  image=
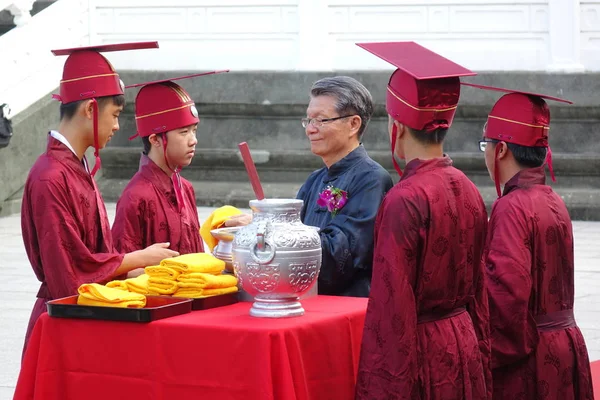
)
(221, 353)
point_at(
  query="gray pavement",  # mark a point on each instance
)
(19, 286)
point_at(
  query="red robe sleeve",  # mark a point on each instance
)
(128, 230)
(508, 267)
(478, 309)
(388, 361)
(65, 259)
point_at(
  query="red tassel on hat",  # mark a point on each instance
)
(97, 162)
(497, 172)
(549, 162)
(396, 166)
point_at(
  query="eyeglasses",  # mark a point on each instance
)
(484, 142)
(317, 123)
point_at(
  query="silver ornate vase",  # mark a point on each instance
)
(276, 258)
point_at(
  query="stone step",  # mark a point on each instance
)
(219, 176)
(274, 127)
(582, 203)
(264, 108)
(225, 165)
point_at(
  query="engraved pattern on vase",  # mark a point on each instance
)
(245, 237)
(237, 270)
(263, 278)
(302, 275)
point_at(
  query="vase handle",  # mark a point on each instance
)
(262, 244)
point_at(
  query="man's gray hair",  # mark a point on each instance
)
(352, 97)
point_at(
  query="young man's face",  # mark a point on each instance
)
(489, 152)
(181, 145)
(108, 122)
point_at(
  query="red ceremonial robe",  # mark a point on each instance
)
(147, 213)
(65, 228)
(419, 342)
(538, 351)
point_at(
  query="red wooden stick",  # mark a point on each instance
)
(251, 169)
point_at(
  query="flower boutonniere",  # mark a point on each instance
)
(333, 199)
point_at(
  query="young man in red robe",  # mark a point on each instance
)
(538, 351)
(426, 332)
(158, 205)
(65, 228)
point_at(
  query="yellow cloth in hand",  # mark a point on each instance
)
(93, 294)
(160, 271)
(139, 284)
(206, 281)
(117, 285)
(214, 221)
(200, 293)
(162, 285)
(195, 262)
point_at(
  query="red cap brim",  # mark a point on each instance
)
(108, 47)
(416, 60)
(176, 79)
(497, 89)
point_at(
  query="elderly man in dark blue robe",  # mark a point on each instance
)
(343, 197)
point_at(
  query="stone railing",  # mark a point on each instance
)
(20, 9)
(29, 70)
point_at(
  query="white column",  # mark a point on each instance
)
(313, 35)
(21, 10)
(564, 36)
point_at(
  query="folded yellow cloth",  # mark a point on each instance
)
(214, 221)
(162, 285)
(160, 271)
(200, 293)
(93, 294)
(117, 285)
(206, 281)
(139, 284)
(195, 262)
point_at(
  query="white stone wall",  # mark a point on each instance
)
(484, 35)
(589, 36)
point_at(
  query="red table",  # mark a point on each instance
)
(221, 353)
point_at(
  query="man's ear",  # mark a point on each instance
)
(355, 124)
(87, 109)
(501, 150)
(154, 140)
(401, 129)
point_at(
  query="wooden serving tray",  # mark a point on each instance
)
(157, 307)
(213, 301)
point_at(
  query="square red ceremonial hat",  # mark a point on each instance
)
(519, 117)
(163, 105)
(423, 92)
(88, 74)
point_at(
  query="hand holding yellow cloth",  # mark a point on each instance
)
(93, 294)
(206, 281)
(195, 293)
(195, 262)
(215, 221)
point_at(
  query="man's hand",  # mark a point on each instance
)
(135, 273)
(157, 252)
(238, 220)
